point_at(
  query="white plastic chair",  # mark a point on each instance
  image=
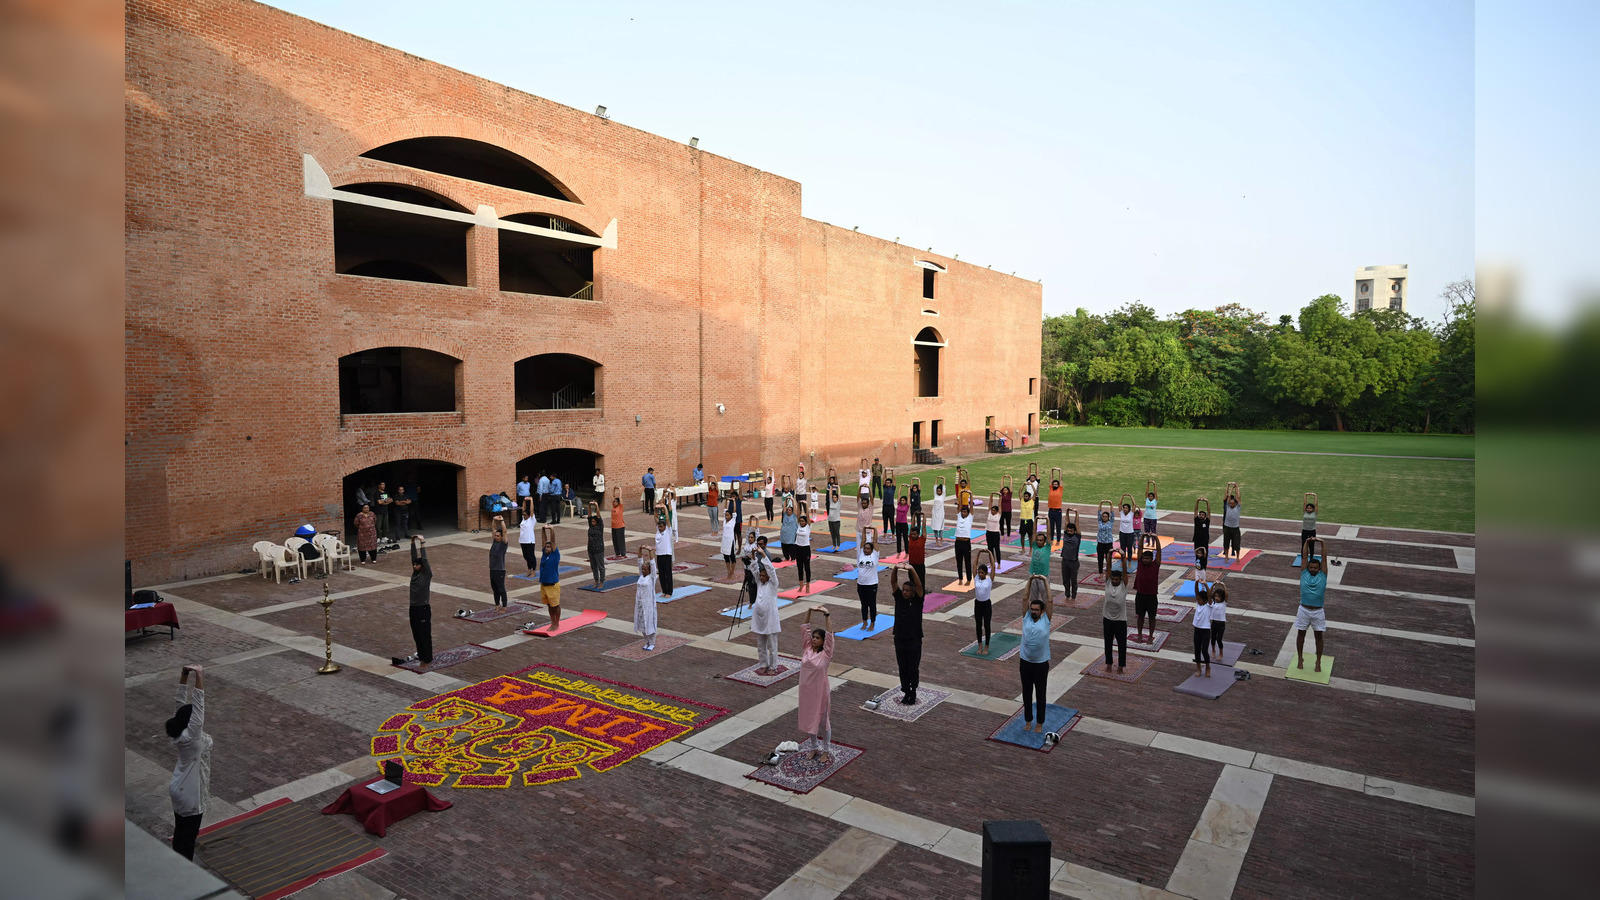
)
(295, 543)
(335, 551)
(283, 558)
(263, 551)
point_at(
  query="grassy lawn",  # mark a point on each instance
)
(1455, 445)
(1405, 493)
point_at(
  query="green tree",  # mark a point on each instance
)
(1327, 363)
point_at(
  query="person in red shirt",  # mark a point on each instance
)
(713, 497)
(916, 550)
(1146, 581)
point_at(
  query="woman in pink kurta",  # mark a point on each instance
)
(814, 689)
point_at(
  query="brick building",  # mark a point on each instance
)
(346, 263)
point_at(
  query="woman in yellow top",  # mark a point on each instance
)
(1029, 510)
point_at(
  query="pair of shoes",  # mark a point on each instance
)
(649, 647)
(910, 699)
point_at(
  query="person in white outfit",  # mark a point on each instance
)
(729, 524)
(764, 622)
(644, 599)
(936, 520)
(190, 786)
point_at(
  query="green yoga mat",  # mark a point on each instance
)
(1307, 674)
(1000, 644)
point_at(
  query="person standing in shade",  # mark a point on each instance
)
(550, 578)
(699, 472)
(1029, 509)
(541, 497)
(597, 546)
(420, 591)
(713, 504)
(1219, 616)
(190, 786)
(769, 493)
(1005, 511)
(815, 690)
(936, 521)
(524, 496)
(1308, 524)
(619, 527)
(558, 494)
(497, 562)
(649, 482)
(863, 515)
(1146, 581)
(982, 607)
(1202, 629)
(1034, 661)
(764, 622)
(1231, 534)
(888, 504)
(907, 631)
(1151, 513)
(991, 530)
(385, 511)
(902, 524)
(402, 512)
(877, 476)
(917, 550)
(1071, 544)
(802, 554)
(1039, 557)
(644, 599)
(599, 482)
(1055, 509)
(367, 535)
(1114, 616)
(528, 540)
(963, 544)
(1202, 536)
(788, 529)
(729, 546)
(1103, 542)
(664, 555)
(914, 496)
(835, 523)
(1125, 533)
(867, 580)
(1313, 593)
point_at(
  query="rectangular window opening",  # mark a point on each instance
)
(927, 283)
(938, 426)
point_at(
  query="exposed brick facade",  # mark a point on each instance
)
(718, 291)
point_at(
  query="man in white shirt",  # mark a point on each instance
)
(190, 786)
(599, 486)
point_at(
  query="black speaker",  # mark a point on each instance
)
(1016, 861)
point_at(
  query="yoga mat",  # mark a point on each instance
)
(1149, 646)
(1297, 560)
(1231, 652)
(447, 658)
(568, 624)
(843, 546)
(1093, 579)
(785, 564)
(1082, 601)
(792, 773)
(1166, 612)
(1135, 669)
(857, 632)
(787, 666)
(1186, 589)
(275, 850)
(744, 611)
(894, 560)
(817, 587)
(1015, 625)
(1001, 646)
(1307, 673)
(635, 651)
(957, 586)
(497, 612)
(1210, 688)
(611, 584)
(889, 704)
(617, 558)
(936, 601)
(1230, 564)
(1056, 718)
(688, 590)
(688, 567)
(850, 574)
(1006, 565)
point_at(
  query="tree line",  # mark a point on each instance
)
(1229, 367)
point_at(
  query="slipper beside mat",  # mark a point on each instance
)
(280, 848)
(1210, 688)
(1308, 673)
(568, 624)
(611, 584)
(1136, 667)
(1001, 646)
(446, 658)
(1056, 718)
(857, 632)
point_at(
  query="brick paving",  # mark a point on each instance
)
(1111, 805)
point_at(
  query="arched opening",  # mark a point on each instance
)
(398, 380)
(925, 363)
(387, 243)
(572, 465)
(557, 381)
(434, 489)
(539, 264)
(474, 161)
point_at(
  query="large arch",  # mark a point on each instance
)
(378, 242)
(926, 348)
(435, 487)
(472, 160)
(557, 381)
(575, 465)
(399, 380)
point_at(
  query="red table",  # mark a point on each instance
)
(378, 811)
(158, 616)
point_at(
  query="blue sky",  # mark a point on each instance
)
(1181, 154)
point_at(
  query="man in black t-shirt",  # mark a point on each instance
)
(907, 630)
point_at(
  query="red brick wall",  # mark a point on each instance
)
(236, 320)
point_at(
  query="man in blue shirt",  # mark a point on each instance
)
(1313, 588)
(555, 499)
(699, 473)
(542, 497)
(524, 497)
(649, 482)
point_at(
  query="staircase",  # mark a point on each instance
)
(926, 458)
(997, 447)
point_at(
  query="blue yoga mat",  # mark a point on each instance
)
(843, 546)
(688, 590)
(744, 611)
(1297, 559)
(857, 633)
(1056, 718)
(1186, 589)
(851, 574)
(611, 584)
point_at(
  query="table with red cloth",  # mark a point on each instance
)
(158, 616)
(378, 811)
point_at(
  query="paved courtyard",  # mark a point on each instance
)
(1359, 788)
